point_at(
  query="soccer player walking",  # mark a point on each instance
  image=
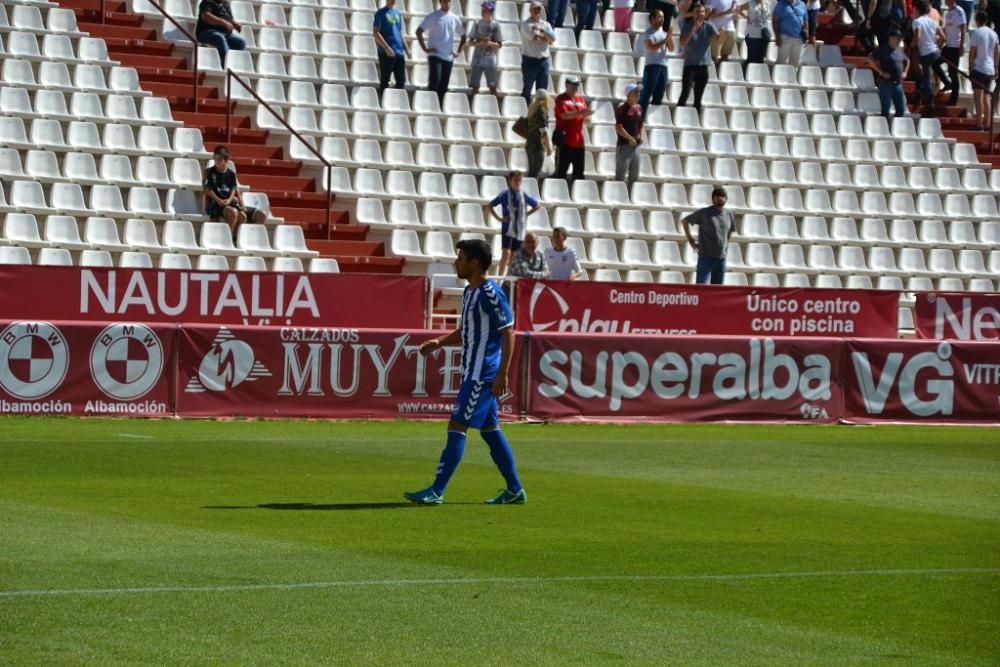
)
(487, 336)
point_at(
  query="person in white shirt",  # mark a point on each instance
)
(441, 28)
(561, 259)
(928, 36)
(955, 21)
(720, 14)
(537, 35)
(984, 54)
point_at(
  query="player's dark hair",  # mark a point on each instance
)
(982, 18)
(478, 250)
(922, 7)
(561, 231)
(719, 191)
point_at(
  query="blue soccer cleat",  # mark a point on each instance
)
(507, 497)
(426, 496)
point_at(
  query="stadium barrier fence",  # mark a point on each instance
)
(203, 370)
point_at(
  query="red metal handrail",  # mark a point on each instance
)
(230, 74)
(187, 33)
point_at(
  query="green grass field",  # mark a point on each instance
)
(191, 542)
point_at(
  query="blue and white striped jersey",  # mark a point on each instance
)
(485, 312)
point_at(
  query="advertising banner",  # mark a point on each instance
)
(74, 368)
(212, 297)
(960, 315)
(704, 378)
(915, 380)
(630, 308)
(319, 372)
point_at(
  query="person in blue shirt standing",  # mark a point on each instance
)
(486, 334)
(515, 207)
(789, 18)
(387, 28)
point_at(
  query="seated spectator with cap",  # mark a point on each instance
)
(515, 207)
(561, 259)
(222, 194)
(529, 261)
(629, 125)
(217, 27)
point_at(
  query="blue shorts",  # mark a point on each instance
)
(476, 407)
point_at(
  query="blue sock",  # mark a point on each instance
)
(450, 458)
(502, 455)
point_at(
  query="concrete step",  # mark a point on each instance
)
(285, 183)
(348, 248)
(352, 264)
(117, 31)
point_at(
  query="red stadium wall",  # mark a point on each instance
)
(85, 368)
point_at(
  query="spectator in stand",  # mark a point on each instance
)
(529, 261)
(631, 135)
(891, 65)
(486, 39)
(515, 207)
(441, 28)
(720, 14)
(536, 37)
(656, 45)
(984, 54)
(222, 194)
(571, 113)
(696, 39)
(715, 226)
(623, 15)
(758, 36)
(387, 27)
(537, 144)
(879, 21)
(557, 12)
(812, 19)
(668, 8)
(586, 15)
(955, 21)
(789, 30)
(928, 36)
(969, 7)
(561, 259)
(217, 27)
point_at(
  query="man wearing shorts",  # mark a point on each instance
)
(222, 194)
(486, 39)
(515, 207)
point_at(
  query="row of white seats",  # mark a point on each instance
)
(97, 107)
(636, 224)
(790, 258)
(47, 166)
(56, 75)
(118, 138)
(142, 260)
(29, 17)
(106, 200)
(55, 46)
(763, 279)
(141, 235)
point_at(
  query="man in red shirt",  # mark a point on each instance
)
(571, 113)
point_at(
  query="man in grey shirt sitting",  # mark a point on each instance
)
(715, 226)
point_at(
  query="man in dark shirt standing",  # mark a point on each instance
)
(629, 126)
(715, 226)
(387, 27)
(696, 41)
(216, 27)
(222, 194)
(890, 65)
